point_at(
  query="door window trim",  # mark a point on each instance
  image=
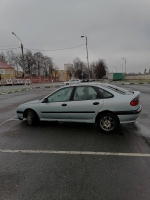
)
(58, 91)
(99, 96)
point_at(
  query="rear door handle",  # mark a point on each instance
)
(95, 103)
(64, 104)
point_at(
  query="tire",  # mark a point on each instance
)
(67, 83)
(107, 122)
(32, 117)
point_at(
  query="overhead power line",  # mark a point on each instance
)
(9, 49)
(53, 42)
(55, 49)
(94, 52)
(10, 46)
(106, 54)
(47, 43)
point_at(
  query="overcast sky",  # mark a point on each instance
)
(115, 29)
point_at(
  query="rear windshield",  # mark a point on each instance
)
(118, 89)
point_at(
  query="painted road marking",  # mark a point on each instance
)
(10, 119)
(75, 153)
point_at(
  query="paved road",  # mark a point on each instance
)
(143, 125)
(6, 89)
(72, 161)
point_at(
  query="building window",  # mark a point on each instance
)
(9, 71)
(1, 71)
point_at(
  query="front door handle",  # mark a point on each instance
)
(64, 104)
(95, 103)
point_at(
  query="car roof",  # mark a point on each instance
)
(107, 86)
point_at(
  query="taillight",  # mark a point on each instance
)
(135, 101)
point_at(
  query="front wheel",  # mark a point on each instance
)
(107, 122)
(32, 117)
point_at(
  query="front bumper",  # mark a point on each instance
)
(20, 115)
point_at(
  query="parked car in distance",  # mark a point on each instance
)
(72, 81)
(7, 81)
(84, 80)
(87, 80)
(103, 104)
(28, 82)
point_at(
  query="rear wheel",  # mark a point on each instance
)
(107, 122)
(32, 117)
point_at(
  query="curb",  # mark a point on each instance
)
(25, 89)
(135, 83)
(13, 91)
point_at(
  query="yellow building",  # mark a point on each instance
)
(6, 71)
(63, 75)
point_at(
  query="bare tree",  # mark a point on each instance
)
(70, 71)
(3, 57)
(79, 68)
(36, 64)
(92, 69)
(39, 63)
(29, 62)
(100, 69)
(15, 60)
(48, 66)
(55, 70)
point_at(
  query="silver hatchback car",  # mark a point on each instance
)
(103, 104)
(72, 81)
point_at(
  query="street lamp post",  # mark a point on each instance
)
(22, 56)
(125, 63)
(122, 67)
(116, 68)
(87, 56)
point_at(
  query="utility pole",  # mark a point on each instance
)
(125, 64)
(23, 66)
(23, 60)
(87, 56)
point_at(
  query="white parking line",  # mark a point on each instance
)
(75, 153)
(10, 119)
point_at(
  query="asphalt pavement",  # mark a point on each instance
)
(71, 160)
(8, 89)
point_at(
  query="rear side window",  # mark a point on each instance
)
(105, 93)
(85, 93)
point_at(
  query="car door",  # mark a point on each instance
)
(56, 105)
(85, 104)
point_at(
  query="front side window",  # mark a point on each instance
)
(61, 95)
(85, 93)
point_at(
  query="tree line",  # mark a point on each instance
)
(97, 69)
(34, 64)
(38, 64)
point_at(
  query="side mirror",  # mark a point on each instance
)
(44, 100)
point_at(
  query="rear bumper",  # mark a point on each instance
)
(129, 116)
(130, 112)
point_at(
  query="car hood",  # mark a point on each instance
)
(33, 102)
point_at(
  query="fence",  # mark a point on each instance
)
(138, 77)
(41, 79)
